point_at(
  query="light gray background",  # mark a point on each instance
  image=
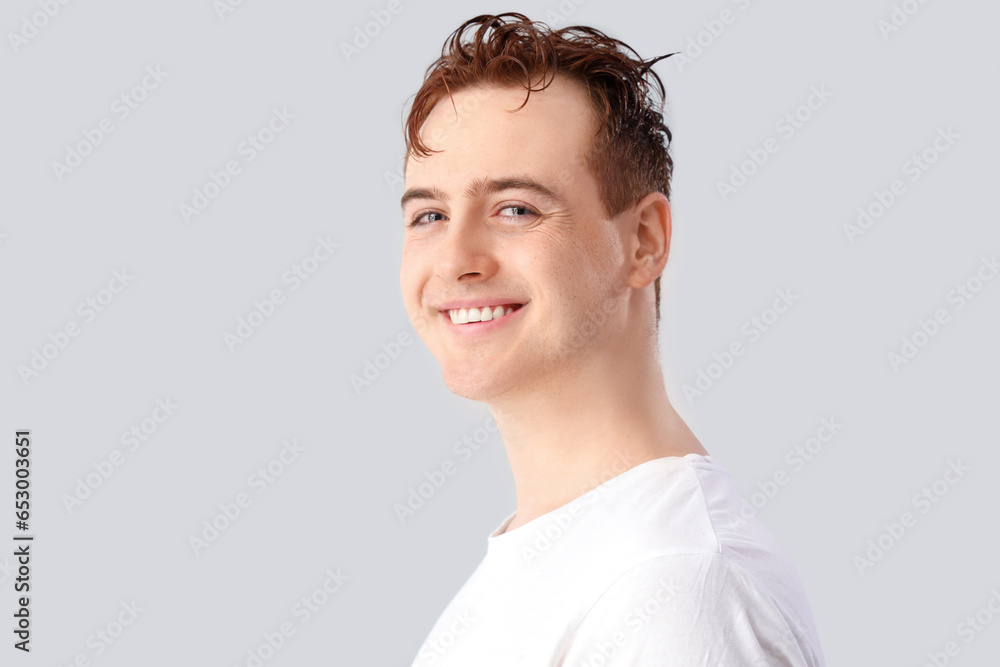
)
(331, 173)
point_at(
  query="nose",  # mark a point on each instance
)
(466, 251)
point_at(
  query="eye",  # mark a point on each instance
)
(416, 222)
(524, 211)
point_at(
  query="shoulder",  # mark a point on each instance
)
(697, 608)
(680, 505)
(691, 582)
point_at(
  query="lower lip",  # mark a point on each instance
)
(480, 328)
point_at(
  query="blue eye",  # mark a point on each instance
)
(517, 207)
(415, 222)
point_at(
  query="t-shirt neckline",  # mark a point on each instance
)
(500, 534)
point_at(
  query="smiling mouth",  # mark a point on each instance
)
(484, 314)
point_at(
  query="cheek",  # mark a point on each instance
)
(597, 270)
(410, 283)
(412, 261)
(566, 270)
(606, 253)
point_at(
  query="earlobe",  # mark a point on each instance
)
(651, 239)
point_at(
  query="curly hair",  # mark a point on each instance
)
(630, 155)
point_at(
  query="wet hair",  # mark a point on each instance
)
(629, 156)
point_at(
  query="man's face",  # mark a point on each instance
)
(558, 255)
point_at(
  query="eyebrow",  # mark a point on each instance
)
(483, 186)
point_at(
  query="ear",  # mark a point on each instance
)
(650, 240)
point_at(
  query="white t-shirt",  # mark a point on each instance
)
(656, 566)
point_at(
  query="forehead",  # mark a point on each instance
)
(550, 133)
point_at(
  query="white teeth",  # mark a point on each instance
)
(466, 315)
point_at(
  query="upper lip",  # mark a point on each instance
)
(490, 301)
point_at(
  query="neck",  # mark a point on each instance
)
(575, 430)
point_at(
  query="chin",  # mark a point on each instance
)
(474, 386)
(467, 388)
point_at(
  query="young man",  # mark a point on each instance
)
(537, 226)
